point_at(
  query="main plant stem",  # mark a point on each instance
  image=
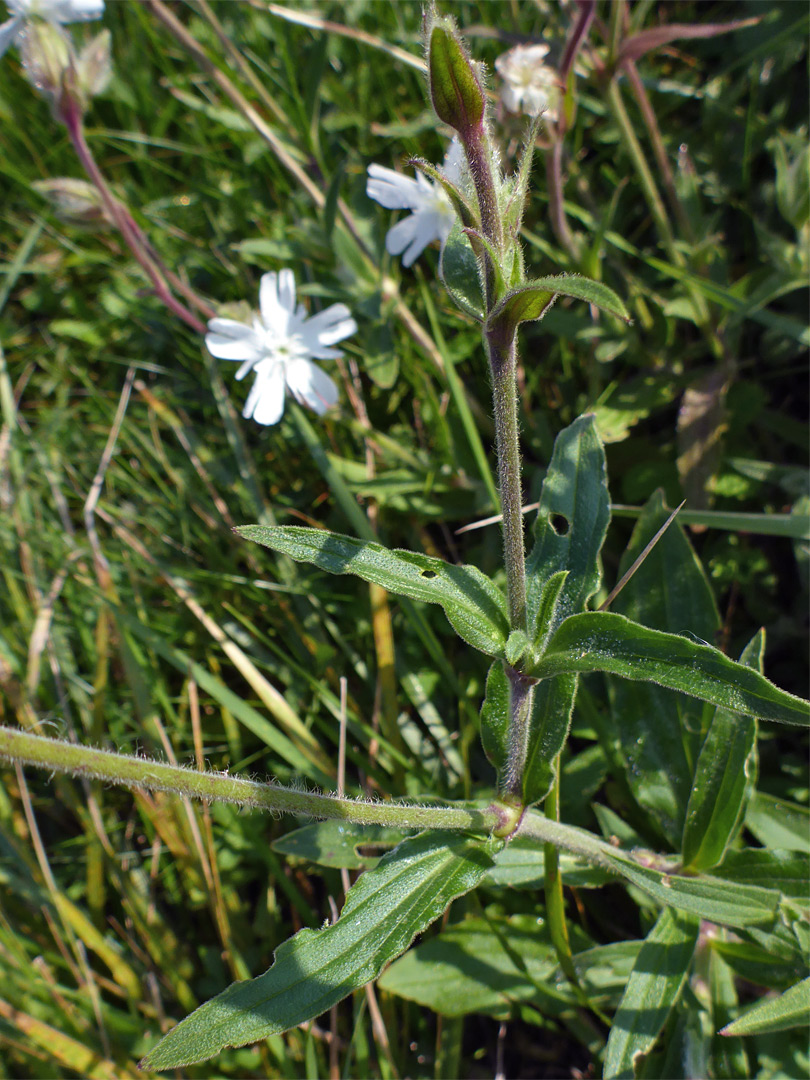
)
(503, 367)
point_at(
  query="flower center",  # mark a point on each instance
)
(284, 347)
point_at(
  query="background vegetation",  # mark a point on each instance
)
(132, 617)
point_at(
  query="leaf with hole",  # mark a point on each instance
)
(569, 529)
(475, 606)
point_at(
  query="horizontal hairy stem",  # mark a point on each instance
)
(137, 772)
(125, 770)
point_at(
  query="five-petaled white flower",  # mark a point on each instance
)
(279, 348)
(432, 213)
(530, 86)
(54, 11)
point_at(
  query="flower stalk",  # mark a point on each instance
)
(70, 114)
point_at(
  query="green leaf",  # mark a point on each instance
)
(713, 898)
(460, 274)
(546, 618)
(532, 300)
(467, 214)
(655, 984)
(657, 732)
(516, 646)
(385, 909)
(513, 212)
(789, 1010)
(724, 779)
(522, 865)
(757, 965)
(339, 843)
(549, 723)
(476, 966)
(602, 641)
(570, 526)
(787, 871)
(475, 606)
(495, 717)
(777, 823)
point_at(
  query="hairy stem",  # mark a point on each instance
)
(128, 771)
(503, 365)
(520, 711)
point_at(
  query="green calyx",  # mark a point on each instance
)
(455, 89)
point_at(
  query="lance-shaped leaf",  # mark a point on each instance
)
(602, 641)
(789, 1010)
(474, 605)
(549, 723)
(655, 984)
(569, 529)
(531, 301)
(658, 732)
(386, 908)
(513, 212)
(495, 718)
(728, 903)
(641, 43)
(725, 776)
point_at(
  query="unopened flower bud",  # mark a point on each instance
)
(46, 55)
(94, 66)
(455, 89)
(75, 201)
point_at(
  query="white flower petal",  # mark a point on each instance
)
(391, 189)
(454, 162)
(329, 326)
(311, 386)
(402, 235)
(286, 290)
(78, 10)
(273, 316)
(9, 30)
(265, 402)
(230, 340)
(58, 11)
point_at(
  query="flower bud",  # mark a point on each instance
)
(46, 55)
(455, 89)
(75, 201)
(94, 66)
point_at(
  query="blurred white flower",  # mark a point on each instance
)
(53, 11)
(279, 348)
(530, 86)
(432, 214)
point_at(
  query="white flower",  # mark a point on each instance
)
(530, 86)
(279, 348)
(432, 214)
(53, 11)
